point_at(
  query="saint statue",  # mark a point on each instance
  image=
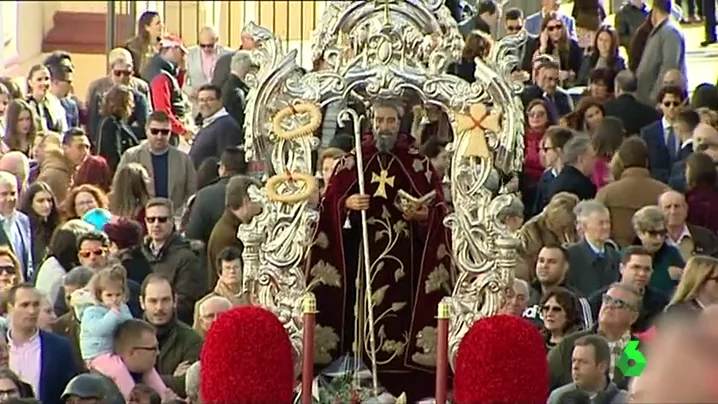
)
(409, 259)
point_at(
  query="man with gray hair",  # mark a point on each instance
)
(235, 90)
(633, 113)
(223, 67)
(517, 298)
(579, 158)
(593, 261)
(201, 61)
(121, 70)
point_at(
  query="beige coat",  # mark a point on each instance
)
(634, 190)
(57, 172)
(182, 175)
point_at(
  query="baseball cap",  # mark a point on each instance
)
(172, 41)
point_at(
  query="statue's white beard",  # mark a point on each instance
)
(384, 141)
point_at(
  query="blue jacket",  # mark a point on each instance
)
(97, 328)
(57, 367)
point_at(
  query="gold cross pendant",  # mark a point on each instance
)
(383, 179)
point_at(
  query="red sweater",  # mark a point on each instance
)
(161, 90)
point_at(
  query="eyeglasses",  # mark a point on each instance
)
(158, 219)
(656, 233)
(552, 28)
(669, 104)
(617, 303)
(157, 131)
(99, 252)
(536, 114)
(120, 73)
(7, 269)
(553, 309)
(9, 393)
(206, 45)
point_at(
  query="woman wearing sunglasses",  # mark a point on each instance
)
(555, 41)
(560, 315)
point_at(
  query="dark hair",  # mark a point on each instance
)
(433, 147)
(56, 58)
(344, 142)
(638, 43)
(233, 160)
(604, 76)
(564, 251)
(143, 391)
(549, 115)
(118, 102)
(6, 373)
(477, 44)
(158, 116)
(486, 6)
(63, 247)
(167, 203)
(583, 106)
(23, 400)
(211, 87)
(558, 136)
(41, 229)
(633, 152)
(690, 117)
(613, 52)
(700, 170)
(228, 254)
(13, 89)
(59, 72)
(574, 397)
(513, 13)
(207, 172)
(602, 353)
(143, 22)
(609, 136)
(632, 250)
(71, 134)
(564, 43)
(155, 278)
(705, 95)
(237, 193)
(676, 91)
(664, 6)
(12, 116)
(570, 305)
(12, 292)
(93, 236)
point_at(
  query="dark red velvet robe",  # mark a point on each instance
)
(411, 269)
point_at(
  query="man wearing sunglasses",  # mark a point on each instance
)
(120, 71)
(620, 308)
(201, 60)
(92, 250)
(661, 137)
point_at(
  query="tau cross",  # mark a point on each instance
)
(383, 179)
(386, 3)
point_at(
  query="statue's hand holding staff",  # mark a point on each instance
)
(358, 202)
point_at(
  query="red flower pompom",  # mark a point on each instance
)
(247, 358)
(501, 359)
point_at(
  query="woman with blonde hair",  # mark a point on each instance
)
(130, 193)
(697, 289)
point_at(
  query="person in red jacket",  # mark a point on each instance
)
(163, 74)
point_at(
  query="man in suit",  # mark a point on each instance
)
(172, 171)
(15, 233)
(687, 122)
(201, 61)
(689, 239)
(545, 87)
(593, 261)
(579, 158)
(665, 50)
(533, 22)
(235, 90)
(41, 359)
(661, 137)
(634, 114)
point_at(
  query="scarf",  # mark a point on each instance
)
(164, 330)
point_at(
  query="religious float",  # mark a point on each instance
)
(377, 54)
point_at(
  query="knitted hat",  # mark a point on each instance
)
(124, 232)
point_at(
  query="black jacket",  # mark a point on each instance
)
(559, 104)
(634, 114)
(628, 19)
(113, 139)
(234, 96)
(573, 181)
(222, 70)
(652, 306)
(207, 209)
(137, 119)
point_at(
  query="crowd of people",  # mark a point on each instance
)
(120, 212)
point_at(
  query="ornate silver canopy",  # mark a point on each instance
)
(382, 50)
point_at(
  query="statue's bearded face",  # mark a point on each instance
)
(385, 127)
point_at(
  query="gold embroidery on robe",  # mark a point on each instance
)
(325, 340)
(426, 341)
(441, 252)
(418, 165)
(395, 348)
(438, 279)
(322, 241)
(326, 274)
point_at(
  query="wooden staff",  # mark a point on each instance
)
(309, 309)
(442, 352)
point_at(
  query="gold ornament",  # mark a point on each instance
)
(310, 187)
(315, 120)
(475, 123)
